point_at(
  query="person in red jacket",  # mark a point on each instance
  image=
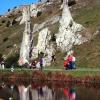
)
(70, 58)
(66, 64)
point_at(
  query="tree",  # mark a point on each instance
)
(9, 10)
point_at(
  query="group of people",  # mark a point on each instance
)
(69, 62)
(38, 64)
(41, 62)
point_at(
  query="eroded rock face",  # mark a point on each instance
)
(43, 40)
(34, 10)
(44, 46)
(26, 41)
(68, 31)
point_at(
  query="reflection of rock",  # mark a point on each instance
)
(23, 92)
(42, 93)
(68, 31)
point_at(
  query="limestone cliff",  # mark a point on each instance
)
(68, 36)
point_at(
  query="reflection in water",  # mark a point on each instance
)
(7, 92)
(23, 92)
(42, 93)
(70, 93)
(47, 92)
(29, 92)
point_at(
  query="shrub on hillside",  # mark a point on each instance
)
(3, 21)
(5, 39)
(8, 24)
(14, 22)
(12, 61)
(9, 10)
(9, 46)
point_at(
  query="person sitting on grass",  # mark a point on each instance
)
(33, 64)
(69, 63)
(66, 64)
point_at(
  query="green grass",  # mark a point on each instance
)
(76, 72)
(89, 16)
(88, 54)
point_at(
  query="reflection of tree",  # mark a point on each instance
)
(47, 91)
(9, 91)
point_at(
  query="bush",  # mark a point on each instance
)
(14, 22)
(3, 21)
(53, 38)
(5, 39)
(39, 13)
(12, 61)
(8, 10)
(8, 24)
(9, 46)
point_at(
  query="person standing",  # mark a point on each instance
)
(70, 62)
(2, 64)
(73, 62)
(41, 63)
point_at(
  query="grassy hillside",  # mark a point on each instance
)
(88, 54)
(10, 36)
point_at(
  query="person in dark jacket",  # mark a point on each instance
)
(41, 63)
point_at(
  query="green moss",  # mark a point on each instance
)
(12, 61)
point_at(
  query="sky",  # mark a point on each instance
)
(6, 4)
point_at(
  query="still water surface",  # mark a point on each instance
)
(49, 91)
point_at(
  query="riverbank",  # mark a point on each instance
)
(76, 76)
(79, 72)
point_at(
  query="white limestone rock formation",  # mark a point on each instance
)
(27, 37)
(43, 40)
(34, 10)
(27, 41)
(68, 31)
(44, 46)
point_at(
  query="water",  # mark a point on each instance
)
(47, 91)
